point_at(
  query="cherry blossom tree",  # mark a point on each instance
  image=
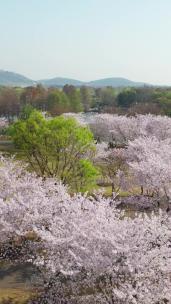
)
(147, 138)
(113, 128)
(84, 240)
(149, 159)
(121, 129)
(112, 162)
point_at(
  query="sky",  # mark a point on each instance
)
(87, 39)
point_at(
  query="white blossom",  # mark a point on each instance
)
(79, 232)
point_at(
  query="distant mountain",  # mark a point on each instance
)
(60, 82)
(14, 79)
(115, 82)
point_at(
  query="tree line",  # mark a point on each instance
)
(72, 99)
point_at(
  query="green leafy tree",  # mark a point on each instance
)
(58, 102)
(26, 111)
(86, 98)
(59, 147)
(126, 98)
(74, 97)
(108, 96)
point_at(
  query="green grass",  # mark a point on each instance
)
(108, 191)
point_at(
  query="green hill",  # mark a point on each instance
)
(18, 80)
(14, 80)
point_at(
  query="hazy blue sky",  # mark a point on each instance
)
(87, 39)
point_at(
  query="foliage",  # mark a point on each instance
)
(26, 112)
(58, 103)
(74, 97)
(86, 98)
(57, 147)
(9, 103)
(132, 101)
(126, 98)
